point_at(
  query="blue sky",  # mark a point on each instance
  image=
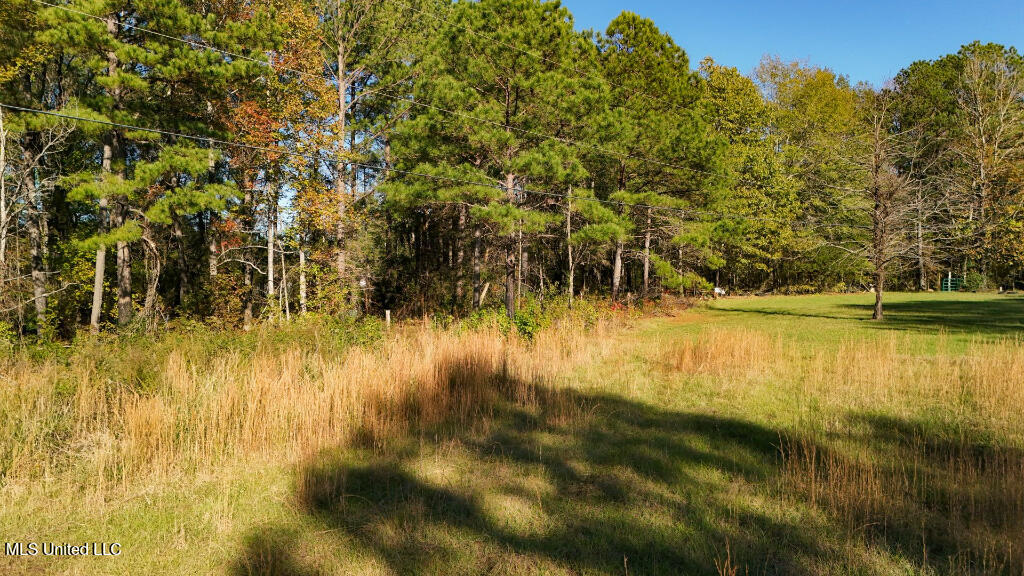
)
(867, 40)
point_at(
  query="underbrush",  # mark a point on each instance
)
(562, 442)
(107, 411)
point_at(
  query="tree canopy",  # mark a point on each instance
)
(254, 160)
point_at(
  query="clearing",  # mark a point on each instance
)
(778, 435)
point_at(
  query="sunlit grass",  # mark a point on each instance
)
(721, 439)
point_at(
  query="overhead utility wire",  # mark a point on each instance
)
(313, 157)
(389, 95)
(451, 180)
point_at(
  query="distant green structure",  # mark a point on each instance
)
(951, 284)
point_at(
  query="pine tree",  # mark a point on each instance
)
(148, 80)
(668, 157)
(502, 101)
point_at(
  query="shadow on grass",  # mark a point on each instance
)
(995, 317)
(572, 483)
(1000, 316)
(932, 492)
(271, 552)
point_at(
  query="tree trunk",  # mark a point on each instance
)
(510, 278)
(879, 287)
(568, 244)
(459, 257)
(922, 271)
(510, 256)
(124, 273)
(302, 279)
(184, 282)
(524, 269)
(37, 239)
(284, 287)
(540, 279)
(878, 256)
(483, 292)
(152, 277)
(3, 201)
(101, 250)
(211, 253)
(248, 295)
(108, 154)
(122, 251)
(617, 271)
(99, 272)
(647, 256)
(247, 279)
(271, 240)
(477, 277)
(519, 264)
(879, 230)
(341, 180)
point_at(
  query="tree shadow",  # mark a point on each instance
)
(930, 491)
(788, 312)
(620, 491)
(993, 318)
(270, 552)
(577, 483)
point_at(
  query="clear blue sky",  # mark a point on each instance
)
(867, 40)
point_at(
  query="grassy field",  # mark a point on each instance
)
(778, 435)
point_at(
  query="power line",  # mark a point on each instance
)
(315, 158)
(412, 101)
(386, 170)
(448, 179)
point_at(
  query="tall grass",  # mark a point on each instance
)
(982, 389)
(193, 407)
(919, 452)
(903, 447)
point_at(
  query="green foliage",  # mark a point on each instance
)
(602, 234)
(442, 320)
(799, 289)
(485, 318)
(129, 232)
(508, 219)
(693, 283)
(7, 334)
(670, 278)
(530, 319)
(450, 154)
(533, 316)
(973, 281)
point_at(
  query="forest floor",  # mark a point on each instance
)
(774, 435)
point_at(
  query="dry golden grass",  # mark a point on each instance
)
(879, 453)
(902, 446)
(202, 411)
(886, 372)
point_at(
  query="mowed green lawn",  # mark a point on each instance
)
(959, 317)
(732, 438)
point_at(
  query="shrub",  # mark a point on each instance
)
(442, 320)
(798, 289)
(6, 333)
(973, 282)
(530, 319)
(695, 283)
(486, 318)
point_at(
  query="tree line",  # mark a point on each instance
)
(234, 161)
